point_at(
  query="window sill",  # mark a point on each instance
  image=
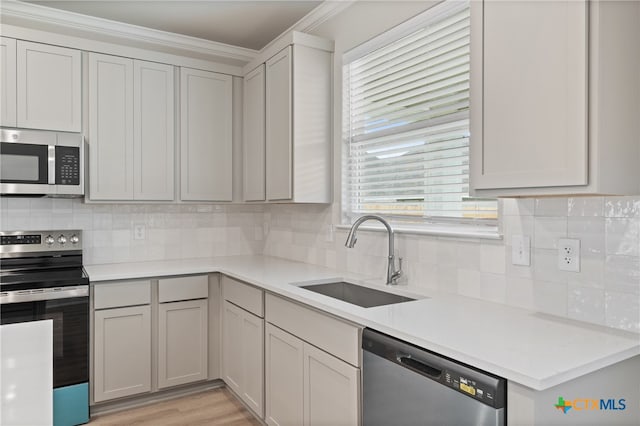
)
(436, 230)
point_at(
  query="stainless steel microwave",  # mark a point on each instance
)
(37, 162)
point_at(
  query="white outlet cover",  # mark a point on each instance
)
(139, 232)
(521, 250)
(569, 254)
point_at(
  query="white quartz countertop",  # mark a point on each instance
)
(535, 350)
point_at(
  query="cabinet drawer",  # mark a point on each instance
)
(247, 297)
(183, 288)
(337, 337)
(115, 294)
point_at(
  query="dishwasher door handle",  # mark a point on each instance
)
(419, 366)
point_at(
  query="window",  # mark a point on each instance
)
(406, 122)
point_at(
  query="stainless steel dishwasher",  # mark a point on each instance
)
(407, 385)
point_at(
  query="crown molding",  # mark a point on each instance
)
(299, 32)
(322, 13)
(70, 20)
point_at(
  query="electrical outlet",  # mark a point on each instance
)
(139, 232)
(569, 254)
(521, 250)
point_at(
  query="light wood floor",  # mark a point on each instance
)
(214, 407)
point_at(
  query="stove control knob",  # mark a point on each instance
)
(48, 240)
(62, 239)
(74, 239)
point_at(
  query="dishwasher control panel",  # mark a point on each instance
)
(472, 387)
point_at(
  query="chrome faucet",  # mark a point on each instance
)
(392, 274)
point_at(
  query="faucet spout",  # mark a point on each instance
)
(392, 273)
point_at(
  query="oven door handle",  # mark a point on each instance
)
(38, 295)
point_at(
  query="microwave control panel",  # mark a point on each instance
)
(67, 165)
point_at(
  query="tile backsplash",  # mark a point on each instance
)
(606, 291)
(172, 231)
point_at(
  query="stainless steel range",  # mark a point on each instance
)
(41, 278)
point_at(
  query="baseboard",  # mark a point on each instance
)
(150, 398)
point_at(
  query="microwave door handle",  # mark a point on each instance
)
(52, 165)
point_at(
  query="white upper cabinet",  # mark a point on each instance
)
(279, 126)
(254, 135)
(49, 84)
(110, 127)
(8, 115)
(131, 129)
(206, 136)
(153, 141)
(291, 113)
(552, 97)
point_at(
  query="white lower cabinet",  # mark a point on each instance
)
(312, 367)
(243, 352)
(128, 322)
(330, 389)
(243, 342)
(182, 342)
(307, 386)
(122, 363)
(284, 378)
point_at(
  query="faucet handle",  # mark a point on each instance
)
(397, 273)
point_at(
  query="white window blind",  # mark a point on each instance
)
(406, 133)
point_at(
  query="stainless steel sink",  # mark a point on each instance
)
(355, 294)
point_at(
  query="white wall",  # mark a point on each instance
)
(606, 291)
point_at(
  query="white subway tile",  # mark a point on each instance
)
(492, 258)
(591, 272)
(622, 236)
(517, 225)
(546, 267)
(622, 207)
(548, 230)
(468, 255)
(494, 288)
(551, 206)
(586, 206)
(590, 232)
(469, 283)
(586, 304)
(520, 292)
(622, 273)
(550, 298)
(623, 311)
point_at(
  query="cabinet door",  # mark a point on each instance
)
(232, 346)
(284, 383)
(279, 126)
(243, 355)
(7, 82)
(182, 342)
(154, 141)
(206, 136)
(331, 386)
(122, 360)
(529, 94)
(110, 127)
(49, 83)
(254, 135)
(253, 362)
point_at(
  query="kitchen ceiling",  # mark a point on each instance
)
(245, 23)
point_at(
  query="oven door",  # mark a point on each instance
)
(70, 317)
